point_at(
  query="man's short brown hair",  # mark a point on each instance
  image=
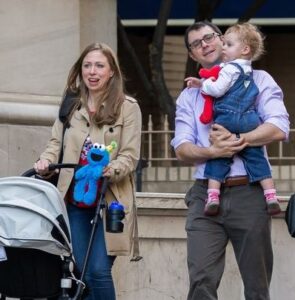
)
(197, 26)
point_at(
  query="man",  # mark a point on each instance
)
(243, 217)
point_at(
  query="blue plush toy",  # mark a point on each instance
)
(98, 157)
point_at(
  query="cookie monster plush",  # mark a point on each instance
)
(98, 157)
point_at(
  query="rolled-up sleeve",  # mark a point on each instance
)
(185, 127)
(270, 102)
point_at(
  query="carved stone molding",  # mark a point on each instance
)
(28, 109)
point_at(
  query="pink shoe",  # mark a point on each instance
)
(273, 205)
(212, 204)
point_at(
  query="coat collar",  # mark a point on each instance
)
(83, 111)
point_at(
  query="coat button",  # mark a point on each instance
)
(111, 129)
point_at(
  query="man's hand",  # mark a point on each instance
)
(224, 143)
(218, 132)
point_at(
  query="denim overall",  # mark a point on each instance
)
(235, 110)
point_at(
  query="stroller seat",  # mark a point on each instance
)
(35, 234)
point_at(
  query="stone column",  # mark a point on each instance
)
(39, 42)
(98, 22)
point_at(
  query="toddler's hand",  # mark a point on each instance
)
(193, 82)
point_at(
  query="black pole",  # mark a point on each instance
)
(139, 176)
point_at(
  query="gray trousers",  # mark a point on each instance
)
(244, 221)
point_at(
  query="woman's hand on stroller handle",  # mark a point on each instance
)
(42, 167)
(47, 170)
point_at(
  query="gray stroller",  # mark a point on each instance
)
(36, 259)
(35, 242)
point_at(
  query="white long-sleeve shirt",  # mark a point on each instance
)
(226, 78)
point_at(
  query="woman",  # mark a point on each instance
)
(102, 114)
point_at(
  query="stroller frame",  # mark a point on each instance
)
(68, 265)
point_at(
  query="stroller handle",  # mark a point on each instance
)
(51, 167)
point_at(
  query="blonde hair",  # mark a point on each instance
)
(109, 104)
(250, 35)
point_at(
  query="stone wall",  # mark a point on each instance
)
(162, 273)
(40, 41)
(179, 179)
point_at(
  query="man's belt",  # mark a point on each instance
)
(230, 181)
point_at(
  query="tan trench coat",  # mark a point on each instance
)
(127, 133)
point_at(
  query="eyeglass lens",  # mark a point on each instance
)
(207, 38)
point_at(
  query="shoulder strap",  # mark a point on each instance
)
(61, 154)
(67, 105)
(237, 66)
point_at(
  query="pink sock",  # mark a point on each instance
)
(269, 191)
(213, 195)
(270, 194)
(215, 191)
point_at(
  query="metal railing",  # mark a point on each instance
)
(156, 142)
(157, 151)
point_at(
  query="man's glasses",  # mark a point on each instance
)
(207, 38)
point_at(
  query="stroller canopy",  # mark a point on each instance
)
(33, 215)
